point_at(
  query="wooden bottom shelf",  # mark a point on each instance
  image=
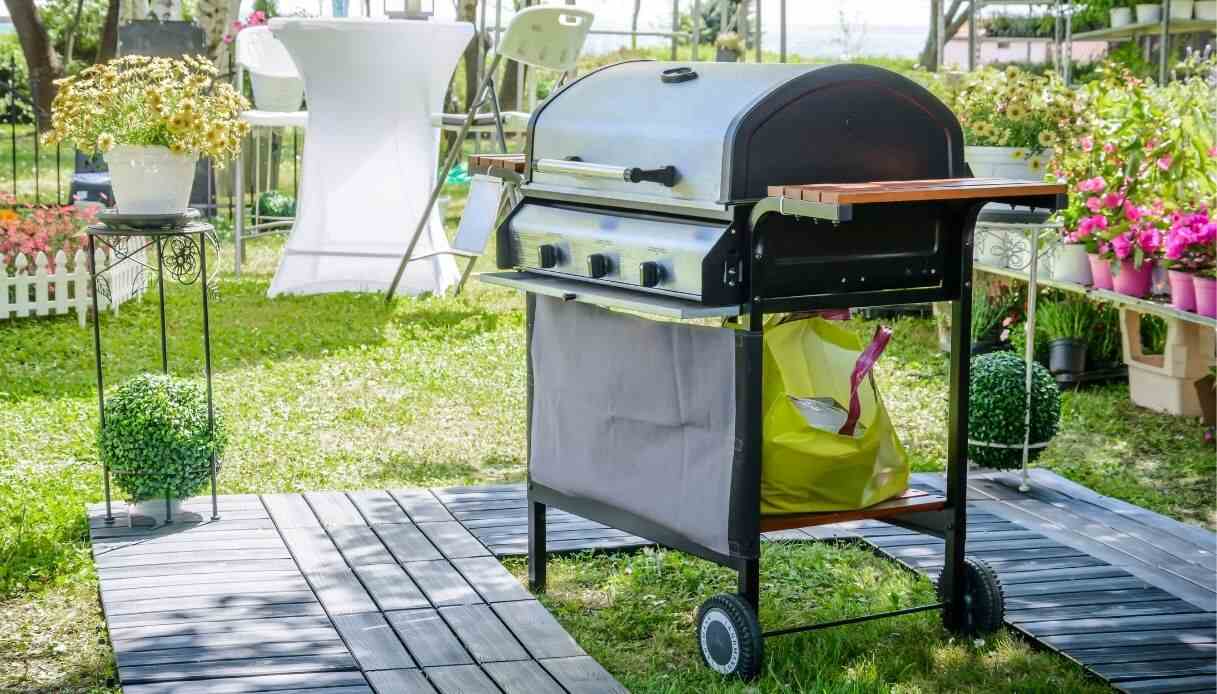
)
(911, 501)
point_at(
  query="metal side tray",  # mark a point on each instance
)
(607, 297)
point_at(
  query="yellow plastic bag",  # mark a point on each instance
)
(806, 469)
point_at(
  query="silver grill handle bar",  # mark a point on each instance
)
(665, 175)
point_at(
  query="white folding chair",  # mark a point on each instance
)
(482, 210)
(260, 53)
(547, 37)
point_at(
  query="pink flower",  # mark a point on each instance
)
(1094, 204)
(1092, 185)
(1150, 240)
(1087, 143)
(1164, 162)
(1131, 212)
(1213, 152)
(1112, 201)
(1122, 246)
(1109, 148)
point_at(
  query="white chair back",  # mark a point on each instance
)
(480, 215)
(259, 51)
(547, 36)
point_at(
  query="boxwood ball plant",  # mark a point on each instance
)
(997, 407)
(156, 439)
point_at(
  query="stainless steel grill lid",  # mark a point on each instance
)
(729, 130)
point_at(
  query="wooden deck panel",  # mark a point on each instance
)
(1124, 592)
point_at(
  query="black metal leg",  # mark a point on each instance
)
(750, 583)
(160, 290)
(536, 546)
(211, 416)
(953, 588)
(101, 398)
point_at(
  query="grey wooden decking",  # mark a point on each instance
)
(402, 591)
(327, 593)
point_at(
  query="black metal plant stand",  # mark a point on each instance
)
(181, 251)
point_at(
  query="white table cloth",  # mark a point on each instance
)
(370, 155)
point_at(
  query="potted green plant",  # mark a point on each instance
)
(152, 118)
(997, 410)
(992, 312)
(159, 442)
(1066, 324)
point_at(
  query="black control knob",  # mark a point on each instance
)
(650, 273)
(547, 255)
(598, 265)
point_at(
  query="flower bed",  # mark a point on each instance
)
(45, 264)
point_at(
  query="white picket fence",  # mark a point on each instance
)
(28, 293)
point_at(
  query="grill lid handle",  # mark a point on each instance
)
(665, 175)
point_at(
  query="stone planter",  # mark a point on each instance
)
(1001, 162)
(1149, 13)
(1071, 264)
(150, 179)
(1121, 16)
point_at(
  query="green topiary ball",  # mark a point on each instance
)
(156, 439)
(998, 407)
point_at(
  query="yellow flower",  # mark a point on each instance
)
(105, 142)
(1018, 154)
(1035, 164)
(1047, 138)
(1016, 111)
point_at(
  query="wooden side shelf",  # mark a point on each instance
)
(485, 162)
(916, 191)
(911, 501)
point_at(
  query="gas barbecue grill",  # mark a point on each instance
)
(733, 191)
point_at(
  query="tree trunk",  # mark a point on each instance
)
(953, 20)
(634, 24)
(40, 57)
(214, 16)
(109, 33)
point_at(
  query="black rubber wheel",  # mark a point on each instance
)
(984, 599)
(729, 636)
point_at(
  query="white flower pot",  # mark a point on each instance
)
(1206, 9)
(152, 511)
(1149, 13)
(1121, 16)
(1071, 264)
(278, 94)
(150, 179)
(1004, 162)
(1181, 9)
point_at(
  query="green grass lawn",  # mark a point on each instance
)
(344, 392)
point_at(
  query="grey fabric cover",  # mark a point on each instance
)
(637, 414)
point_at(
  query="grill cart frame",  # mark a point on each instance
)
(728, 629)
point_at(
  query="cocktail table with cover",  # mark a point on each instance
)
(370, 163)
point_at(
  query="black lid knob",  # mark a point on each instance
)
(598, 265)
(676, 75)
(650, 273)
(547, 255)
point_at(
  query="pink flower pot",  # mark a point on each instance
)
(1100, 271)
(1183, 293)
(1132, 280)
(1206, 295)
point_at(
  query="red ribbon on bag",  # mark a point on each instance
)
(866, 361)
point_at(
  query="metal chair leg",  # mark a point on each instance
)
(465, 276)
(439, 184)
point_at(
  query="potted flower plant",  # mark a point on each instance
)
(159, 443)
(1190, 249)
(1066, 324)
(729, 46)
(1009, 118)
(151, 118)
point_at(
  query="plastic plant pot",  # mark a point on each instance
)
(1067, 355)
(1100, 271)
(1206, 295)
(1133, 280)
(1183, 290)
